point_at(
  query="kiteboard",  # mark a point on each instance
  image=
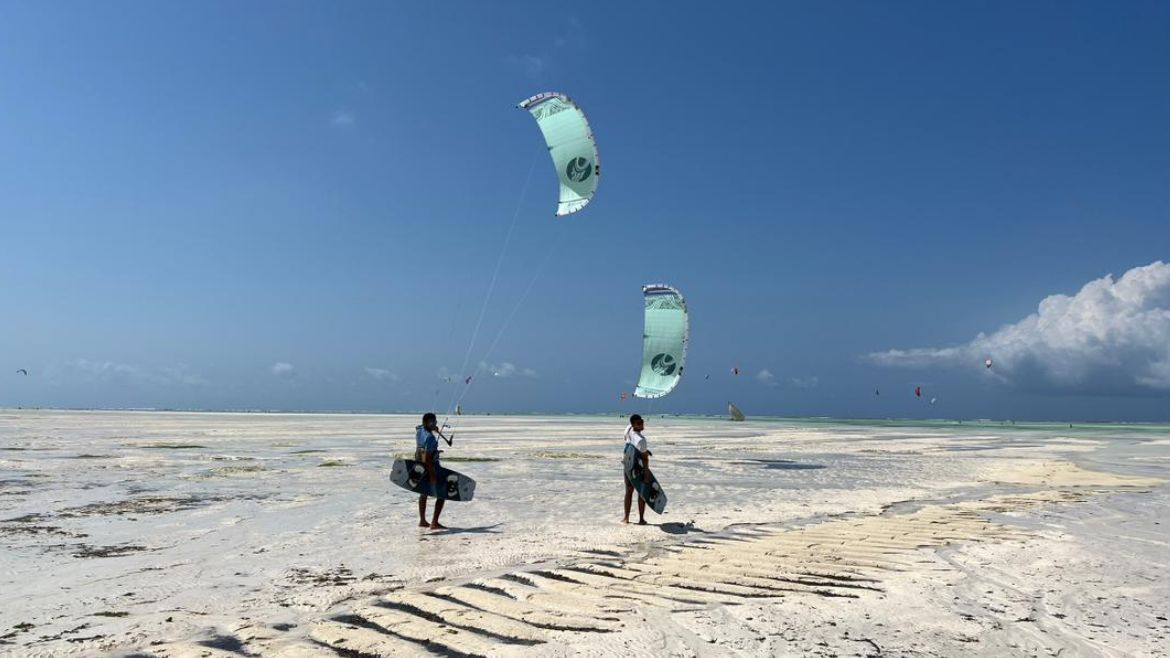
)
(412, 476)
(650, 492)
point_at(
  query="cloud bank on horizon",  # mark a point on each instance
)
(1111, 337)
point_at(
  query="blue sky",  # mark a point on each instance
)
(299, 205)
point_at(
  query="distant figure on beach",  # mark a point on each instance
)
(637, 442)
(426, 451)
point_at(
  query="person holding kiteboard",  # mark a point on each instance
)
(635, 441)
(426, 451)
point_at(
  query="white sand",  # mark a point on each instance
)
(230, 534)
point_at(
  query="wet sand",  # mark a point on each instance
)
(200, 534)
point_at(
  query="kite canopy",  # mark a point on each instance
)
(571, 145)
(664, 341)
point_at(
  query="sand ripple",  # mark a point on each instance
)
(603, 606)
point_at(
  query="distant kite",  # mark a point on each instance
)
(735, 371)
(22, 371)
(468, 380)
(987, 363)
(876, 392)
(917, 391)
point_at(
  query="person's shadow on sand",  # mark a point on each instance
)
(676, 528)
(479, 530)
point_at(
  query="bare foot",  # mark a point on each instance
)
(423, 524)
(626, 520)
(641, 521)
(438, 526)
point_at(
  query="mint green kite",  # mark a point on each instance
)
(571, 145)
(664, 341)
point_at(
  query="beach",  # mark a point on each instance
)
(225, 534)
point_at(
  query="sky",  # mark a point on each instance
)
(300, 206)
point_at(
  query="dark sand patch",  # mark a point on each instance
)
(340, 575)
(17, 629)
(235, 470)
(780, 464)
(551, 454)
(14, 487)
(147, 505)
(29, 525)
(117, 550)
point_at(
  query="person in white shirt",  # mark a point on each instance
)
(636, 441)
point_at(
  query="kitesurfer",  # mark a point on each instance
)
(426, 452)
(636, 441)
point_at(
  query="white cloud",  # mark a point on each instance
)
(766, 378)
(283, 370)
(343, 118)
(381, 374)
(805, 382)
(1111, 337)
(506, 370)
